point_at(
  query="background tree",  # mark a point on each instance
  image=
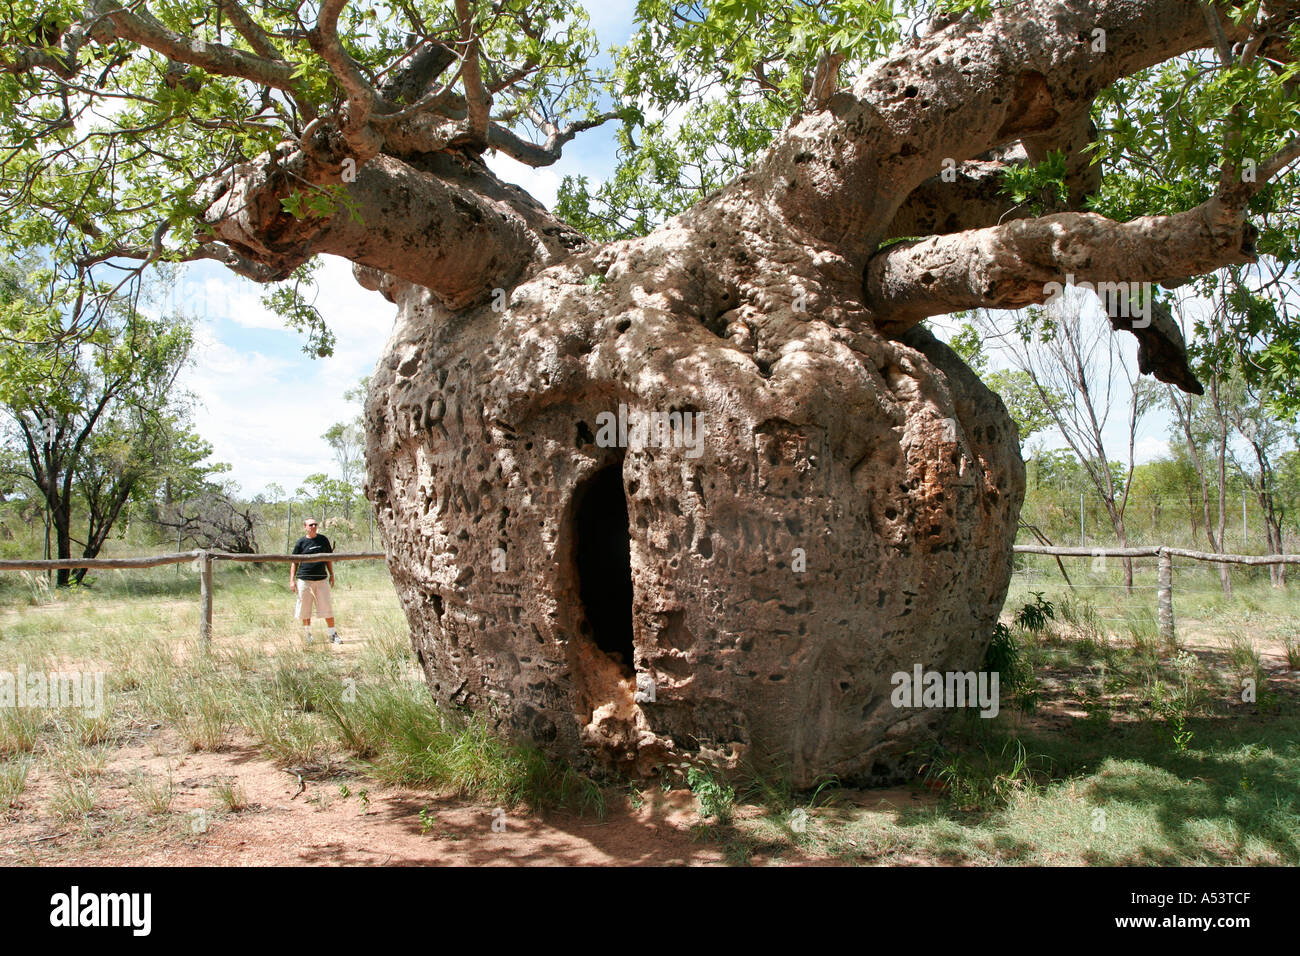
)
(84, 401)
(323, 496)
(1203, 429)
(215, 519)
(1027, 406)
(1265, 436)
(348, 441)
(1083, 380)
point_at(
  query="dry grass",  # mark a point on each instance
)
(1135, 753)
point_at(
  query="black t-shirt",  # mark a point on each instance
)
(313, 570)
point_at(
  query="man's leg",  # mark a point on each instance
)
(304, 608)
(324, 604)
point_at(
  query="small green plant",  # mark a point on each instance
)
(364, 797)
(428, 821)
(231, 796)
(1033, 617)
(345, 791)
(1172, 706)
(1015, 676)
(154, 794)
(715, 798)
(13, 780)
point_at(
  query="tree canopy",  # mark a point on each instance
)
(963, 140)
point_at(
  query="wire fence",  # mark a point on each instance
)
(1137, 589)
(1126, 587)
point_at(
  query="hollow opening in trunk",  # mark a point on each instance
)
(604, 560)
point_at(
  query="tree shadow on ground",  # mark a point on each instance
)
(1237, 783)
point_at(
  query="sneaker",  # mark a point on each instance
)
(335, 639)
(307, 638)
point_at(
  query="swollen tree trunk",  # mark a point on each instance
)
(829, 507)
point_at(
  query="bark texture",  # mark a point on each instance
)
(887, 464)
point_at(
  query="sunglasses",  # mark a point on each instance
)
(312, 525)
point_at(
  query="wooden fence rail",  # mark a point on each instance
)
(1156, 551)
(204, 559)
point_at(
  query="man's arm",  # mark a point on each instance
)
(293, 571)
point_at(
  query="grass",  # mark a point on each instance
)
(310, 711)
(13, 780)
(153, 793)
(20, 728)
(1138, 752)
(230, 796)
(1124, 749)
(73, 801)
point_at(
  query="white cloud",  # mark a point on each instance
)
(542, 184)
(1149, 449)
(264, 414)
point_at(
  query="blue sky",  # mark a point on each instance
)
(263, 403)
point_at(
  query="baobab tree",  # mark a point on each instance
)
(848, 513)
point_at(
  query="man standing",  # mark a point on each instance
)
(308, 581)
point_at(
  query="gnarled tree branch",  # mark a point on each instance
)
(1028, 261)
(449, 225)
(1010, 266)
(1027, 73)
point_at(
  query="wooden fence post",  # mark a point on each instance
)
(205, 597)
(1165, 596)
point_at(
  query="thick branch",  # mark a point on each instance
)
(1014, 265)
(450, 226)
(141, 27)
(324, 41)
(1026, 73)
(249, 30)
(20, 60)
(408, 84)
(478, 100)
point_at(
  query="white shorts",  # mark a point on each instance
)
(313, 593)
